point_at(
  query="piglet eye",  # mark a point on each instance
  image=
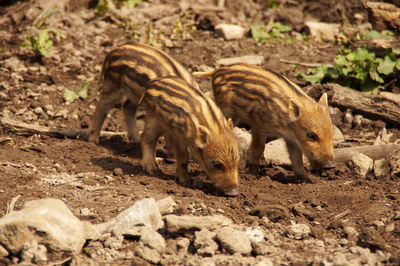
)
(217, 165)
(312, 136)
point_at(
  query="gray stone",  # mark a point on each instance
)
(142, 213)
(260, 248)
(234, 241)
(176, 223)
(361, 164)
(264, 262)
(230, 32)
(153, 239)
(204, 242)
(381, 168)
(182, 245)
(358, 120)
(351, 233)
(32, 252)
(147, 253)
(275, 152)
(60, 231)
(297, 231)
(348, 117)
(322, 31)
(244, 139)
(249, 59)
(337, 136)
(166, 205)
(255, 234)
(114, 242)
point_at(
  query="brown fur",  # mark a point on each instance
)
(272, 105)
(124, 77)
(192, 124)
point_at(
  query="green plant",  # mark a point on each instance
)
(357, 68)
(104, 5)
(272, 4)
(132, 3)
(261, 33)
(42, 18)
(71, 96)
(42, 44)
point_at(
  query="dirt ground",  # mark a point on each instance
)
(107, 178)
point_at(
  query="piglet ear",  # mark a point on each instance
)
(323, 101)
(294, 110)
(203, 137)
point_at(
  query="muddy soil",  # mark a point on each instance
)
(107, 178)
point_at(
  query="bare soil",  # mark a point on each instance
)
(107, 178)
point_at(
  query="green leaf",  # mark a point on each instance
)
(70, 96)
(375, 76)
(43, 51)
(396, 51)
(132, 3)
(83, 93)
(398, 63)
(258, 33)
(387, 66)
(314, 75)
(341, 60)
(42, 37)
(376, 35)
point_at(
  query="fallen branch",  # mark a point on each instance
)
(302, 64)
(373, 151)
(29, 129)
(374, 107)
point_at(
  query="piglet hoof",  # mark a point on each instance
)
(197, 183)
(151, 169)
(253, 168)
(133, 138)
(233, 192)
(303, 179)
(184, 181)
(93, 138)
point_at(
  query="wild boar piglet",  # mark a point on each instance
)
(124, 76)
(191, 123)
(272, 105)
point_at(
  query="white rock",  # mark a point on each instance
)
(142, 213)
(261, 248)
(297, 231)
(147, 253)
(264, 262)
(60, 231)
(230, 32)
(249, 59)
(204, 242)
(166, 205)
(361, 164)
(381, 167)
(322, 31)
(351, 233)
(275, 152)
(33, 252)
(255, 234)
(184, 223)
(234, 241)
(337, 136)
(244, 139)
(114, 242)
(153, 239)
